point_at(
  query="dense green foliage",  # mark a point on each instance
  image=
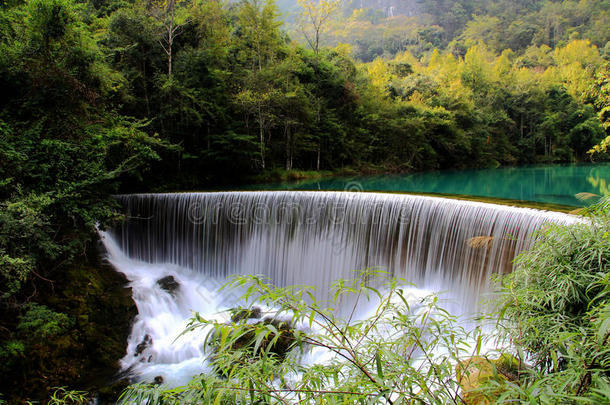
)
(557, 307)
(214, 92)
(387, 27)
(488, 109)
(242, 98)
(63, 149)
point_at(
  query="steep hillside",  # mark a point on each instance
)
(385, 27)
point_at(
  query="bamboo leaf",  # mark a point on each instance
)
(379, 368)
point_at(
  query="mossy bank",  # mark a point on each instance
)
(73, 336)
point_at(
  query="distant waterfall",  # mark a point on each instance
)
(195, 240)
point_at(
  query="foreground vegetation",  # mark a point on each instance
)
(551, 342)
(104, 96)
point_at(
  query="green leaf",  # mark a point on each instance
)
(478, 345)
(260, 336)
(604, 329)
(379, 368)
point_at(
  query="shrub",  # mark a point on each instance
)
(404, 351)
(40, 323)
(63, 396)
(555, 309)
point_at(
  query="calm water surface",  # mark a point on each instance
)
(550, 184)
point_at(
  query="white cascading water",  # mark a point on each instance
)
(296, 238)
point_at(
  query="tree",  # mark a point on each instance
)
(555, 306)
(257, 101)
(599, 93)
(481, 28)
(259, 45)
(173, 19)
(258, 31)
(314, 17)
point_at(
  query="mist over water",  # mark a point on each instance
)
(297, 238)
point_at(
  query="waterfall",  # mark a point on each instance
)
(299, 238)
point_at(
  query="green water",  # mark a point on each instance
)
(549, 184)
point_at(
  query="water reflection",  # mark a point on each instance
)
(551, 184)
(599, 181)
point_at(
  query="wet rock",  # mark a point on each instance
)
(158, 380)
(169, 284)
(286, 337)
(244, 313)
(474, 372)
(98, 301)
(143, 345)
(278, 341)
(109, 394)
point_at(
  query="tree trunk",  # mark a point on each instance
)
(170, 38)
(261, 137)
(521, 126)
(207, 126)
(320, 138)
(169, 61)
(546, 152)
(288, 158)
(145, 87)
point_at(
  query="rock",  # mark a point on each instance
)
(472, 373)
(109, 394)
(509, 366)
(169, 284)
(98, 301)
(143, 345)
(280, 347)
(277, 344)
(243, 313)
(286, 340)
(158, 380)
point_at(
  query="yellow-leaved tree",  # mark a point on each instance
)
(314, 18)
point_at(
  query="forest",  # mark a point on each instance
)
(99, 97)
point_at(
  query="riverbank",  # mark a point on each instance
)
(73, 336)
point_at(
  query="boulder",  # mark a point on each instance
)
(474, 372)
(279, 343)
(169, 284)
(243, 337)
(143, 345)
(240, 314)
(109, 394)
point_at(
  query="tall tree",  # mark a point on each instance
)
(258, 30)
(314, 17)
(260, 43)
(173, 19)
